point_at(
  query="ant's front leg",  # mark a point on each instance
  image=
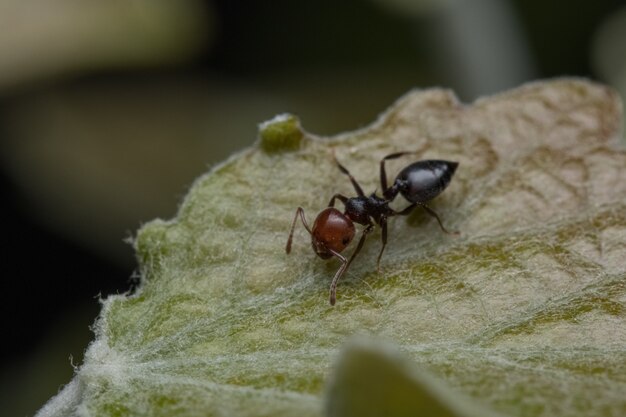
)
(345, 265)
(343, 199)
(338, 274)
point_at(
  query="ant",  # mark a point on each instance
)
(333, 231)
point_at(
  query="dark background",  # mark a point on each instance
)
(92, 147)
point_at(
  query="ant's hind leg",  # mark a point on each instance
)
(299, 212)
(407, 210)
(383, 172)
(436, 216)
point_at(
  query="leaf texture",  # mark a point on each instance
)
(524, 312)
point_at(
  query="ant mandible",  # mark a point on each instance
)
(333, 231)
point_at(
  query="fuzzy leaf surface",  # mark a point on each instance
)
(524, 312)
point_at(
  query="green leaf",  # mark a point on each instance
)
(525, 312)
(374, 379)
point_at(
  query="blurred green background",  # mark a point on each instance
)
(109, 110)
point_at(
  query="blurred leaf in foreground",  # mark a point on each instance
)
(525, 312)
(373, 379)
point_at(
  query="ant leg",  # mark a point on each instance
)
(299, 212)
(389, 192)
(346, 264)
(383, 226)
(436, 216)
(355, 184)
(405, 211)
(337, 197)
(430, 211)
(383, 173)
(338, 274)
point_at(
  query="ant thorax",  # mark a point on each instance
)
(362, 209)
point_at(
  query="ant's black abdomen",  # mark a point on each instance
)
(422, 181)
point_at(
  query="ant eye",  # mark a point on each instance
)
(345, 241)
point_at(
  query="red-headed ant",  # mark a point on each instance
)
(333, 231)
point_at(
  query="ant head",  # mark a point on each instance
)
(332, 232)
